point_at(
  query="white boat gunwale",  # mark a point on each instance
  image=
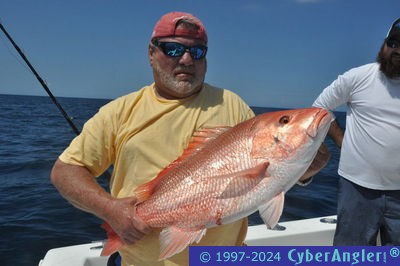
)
(306, 232)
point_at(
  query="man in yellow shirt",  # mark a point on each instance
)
(141, 133)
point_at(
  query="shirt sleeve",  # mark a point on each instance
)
(94, 148)
(337, 93)
(244, 112)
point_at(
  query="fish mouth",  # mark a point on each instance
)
(322, 119)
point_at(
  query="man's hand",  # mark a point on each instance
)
(78, 185)
(124, 221)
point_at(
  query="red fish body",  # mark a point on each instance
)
(228, 173)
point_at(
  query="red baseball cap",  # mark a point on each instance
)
(167, 27)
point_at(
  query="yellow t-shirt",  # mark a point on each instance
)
(140, 134)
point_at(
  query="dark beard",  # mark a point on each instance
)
(386, 65)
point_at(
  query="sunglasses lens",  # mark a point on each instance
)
(392, 43)
(198, 52)
(175, 49)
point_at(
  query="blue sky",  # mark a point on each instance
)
(273, 53)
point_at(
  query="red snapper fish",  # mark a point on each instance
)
(226, 174)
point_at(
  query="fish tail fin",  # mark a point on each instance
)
(113, 242)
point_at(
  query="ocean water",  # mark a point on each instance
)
(35, 218)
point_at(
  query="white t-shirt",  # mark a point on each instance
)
(370, 154)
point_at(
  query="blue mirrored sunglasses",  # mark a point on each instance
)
(175, 49)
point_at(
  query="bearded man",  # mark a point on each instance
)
(369, 168)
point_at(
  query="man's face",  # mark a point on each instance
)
(177, 77)
(389, 57)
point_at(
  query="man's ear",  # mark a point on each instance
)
(150, 54)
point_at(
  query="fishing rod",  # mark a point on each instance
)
(46, 88)
(66, 116)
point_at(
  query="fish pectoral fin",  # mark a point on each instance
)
(272, 210)
(174, 239)
(235, 186)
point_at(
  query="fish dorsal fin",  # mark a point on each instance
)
(199, 139)
(271, 211)
(174, 239)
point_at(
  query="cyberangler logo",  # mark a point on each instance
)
(336, 256)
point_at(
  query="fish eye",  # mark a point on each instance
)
(284, 120)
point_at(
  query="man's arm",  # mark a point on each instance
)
(336, 133)
(323, 155)
(319, 162)
(80, 188)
